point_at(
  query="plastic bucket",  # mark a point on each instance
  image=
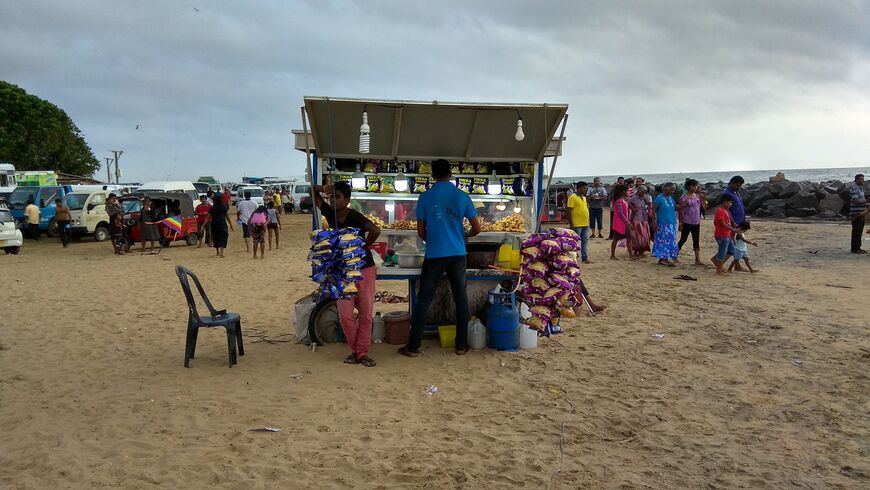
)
(447, 335)
(398, 327)
(528, 338)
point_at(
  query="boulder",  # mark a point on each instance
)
(800, 212)
(802, 200)
(779, 177)
(714, 198)
(829, 215)
(832, 203)
(785, 189)
(775, 208)
(757, 200)
(762, 213)
(832, 186)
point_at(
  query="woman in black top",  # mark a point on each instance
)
(217, 216)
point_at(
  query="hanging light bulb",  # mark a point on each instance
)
(500, 206)
(364, 134)
(519, 135)
(390, 206)
(517, 209)
(493, 188)
(358, 180)
(401, 182)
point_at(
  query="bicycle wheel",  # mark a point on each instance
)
(323, 324)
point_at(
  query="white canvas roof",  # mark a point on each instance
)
(413, 130)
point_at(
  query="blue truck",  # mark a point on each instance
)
(42, 196)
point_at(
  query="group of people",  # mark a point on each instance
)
(258, 221)
(645, 225)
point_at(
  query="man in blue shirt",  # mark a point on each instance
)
(738, 212)
(440, 212)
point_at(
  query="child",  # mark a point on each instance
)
(257, 227)
(740, 248)
(274, 223)
(723, 228)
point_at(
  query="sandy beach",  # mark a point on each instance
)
(759, 381)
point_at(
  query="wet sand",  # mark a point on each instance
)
(759, 380)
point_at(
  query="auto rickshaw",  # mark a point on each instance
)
(169, 204)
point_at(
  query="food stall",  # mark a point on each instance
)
(385, 148)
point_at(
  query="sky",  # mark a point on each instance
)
(214, 87)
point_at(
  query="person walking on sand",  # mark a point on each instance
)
(201, 226)
(689, 214)
(257, 227)
(244, 210)
(738, 211)
(578, 218)
(619, 181)
(63, 219)
(639, 213)
(596, 197)
(857, 210)
(723, 231)
(357, 330)
(620, 222)
(32, 215)
(741, 250)
(440, 214)
(274, 225)
(665, 242)
(218, 220)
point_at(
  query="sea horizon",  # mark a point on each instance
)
(845, 174)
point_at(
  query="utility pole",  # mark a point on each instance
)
(118, 154)
(109, 170)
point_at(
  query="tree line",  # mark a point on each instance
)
(37, 135)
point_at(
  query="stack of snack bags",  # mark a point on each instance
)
(336, 259)
(549, 282)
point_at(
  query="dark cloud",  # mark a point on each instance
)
(653, 86)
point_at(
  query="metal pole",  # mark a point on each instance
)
(118, 154)
(552, 169)
(108, 170)
(315, 213)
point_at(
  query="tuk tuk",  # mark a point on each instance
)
(168, 204)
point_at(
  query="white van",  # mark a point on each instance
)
(87, 211)
(10, 236)
(256, 191)
(299, 192)
(184, 186)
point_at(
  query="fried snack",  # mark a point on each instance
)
(377, 221)
(323, 223)
(512, 223)
(404, 225)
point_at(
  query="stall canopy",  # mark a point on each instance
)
(413, 130)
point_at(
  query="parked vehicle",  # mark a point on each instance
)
(256, 191)
(42, 196)
(302, 196)
(10, 236)
(201, 188)
(7, 181)
(169, 204)
(555, 201)
(182, 186)
(88, 214)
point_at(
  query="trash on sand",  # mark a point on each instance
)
(555, 391)
(797, 362)
(658, 336)
(265, 429)
(432, 390)
(297, 375)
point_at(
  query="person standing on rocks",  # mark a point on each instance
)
(857, 209)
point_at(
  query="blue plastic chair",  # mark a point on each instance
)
(232, 322)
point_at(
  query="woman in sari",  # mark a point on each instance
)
(665, 246)
(638, 243)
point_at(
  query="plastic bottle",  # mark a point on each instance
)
(476, 335)
(379, 330)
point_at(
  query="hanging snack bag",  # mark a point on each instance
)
(424, 168)
(455, 168)
(371, 166)
(421, 185)
(519, 186)
(465, 184)
(373, 183)
(507, 186)
(388, 184)
(468, 169)
(479, 185)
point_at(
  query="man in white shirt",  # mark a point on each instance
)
(244, 210)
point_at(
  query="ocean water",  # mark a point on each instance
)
(804, 174)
